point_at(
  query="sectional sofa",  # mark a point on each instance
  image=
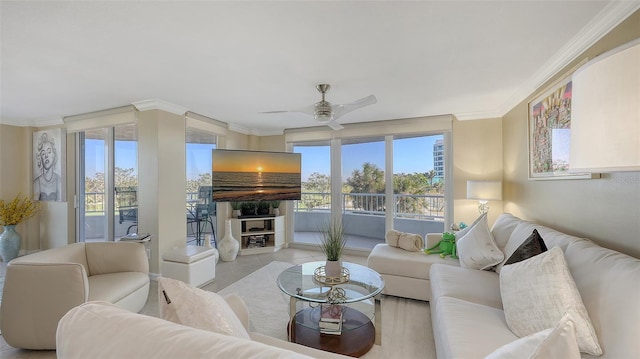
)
(470, 318)
(101, 330)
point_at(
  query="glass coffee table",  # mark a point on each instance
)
(357, 295)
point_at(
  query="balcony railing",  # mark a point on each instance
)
(94, 202)
(430, 207)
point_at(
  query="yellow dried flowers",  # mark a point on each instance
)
(18, 210)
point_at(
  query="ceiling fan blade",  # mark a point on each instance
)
(308, 110)
(341, 110)
(334, 125)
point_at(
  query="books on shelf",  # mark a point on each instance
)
(331, 316)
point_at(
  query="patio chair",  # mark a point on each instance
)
(127, 202)
(201, 214)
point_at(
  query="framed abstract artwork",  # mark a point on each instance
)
(550, 134)
(49, 170)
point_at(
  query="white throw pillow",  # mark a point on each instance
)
(559, 342)
(392, 237)
(411, 242)
(183, 304)
(538, 291)
(407, 241)
(477, 249)
(459, 234)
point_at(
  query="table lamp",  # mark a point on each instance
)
(484, 191)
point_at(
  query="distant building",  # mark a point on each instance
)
(438, 160)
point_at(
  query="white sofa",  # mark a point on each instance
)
(41, 287)
(466, 304)
(405, 273)
(100, 330)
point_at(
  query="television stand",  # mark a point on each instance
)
(258, 234)
(257, 216)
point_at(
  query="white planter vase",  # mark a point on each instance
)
(228, 246)
(333, 268)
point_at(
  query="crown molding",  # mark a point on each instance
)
(254, 131)
(41, 122)
(468, 116)
(155, 104)
(273, 132)
(611, 16)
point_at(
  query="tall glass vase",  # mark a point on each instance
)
(9, 243)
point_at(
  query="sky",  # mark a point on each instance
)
(410, 155)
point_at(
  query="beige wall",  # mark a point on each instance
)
(477, 155)
(606, 210)
(162, 180)
(15, 177)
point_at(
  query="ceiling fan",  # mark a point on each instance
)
(326, 113)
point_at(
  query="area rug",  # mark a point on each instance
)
(406, 323)
(268, 305)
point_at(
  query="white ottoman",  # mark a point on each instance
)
(191, 264)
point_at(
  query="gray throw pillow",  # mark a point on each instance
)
(532, 246)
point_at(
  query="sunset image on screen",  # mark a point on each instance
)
(255, 176)
(255, 161)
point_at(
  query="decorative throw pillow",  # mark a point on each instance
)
(538, 291)
(477, 249)
(183, 304)
(391, 237)
(411, 242)
(407, 241)
(532, 246)
(559, 342)
(459, 234)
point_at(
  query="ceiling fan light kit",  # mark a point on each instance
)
(325, 113)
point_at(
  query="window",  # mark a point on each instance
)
(411, 199)
(363, 191)
(107, 183)
(314, 207)
(201, 211)
(418, 183)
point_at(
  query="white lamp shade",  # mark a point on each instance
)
(484, 190)
(605, 112)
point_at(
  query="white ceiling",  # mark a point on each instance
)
(232, 60)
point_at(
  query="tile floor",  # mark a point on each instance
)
(226, 273)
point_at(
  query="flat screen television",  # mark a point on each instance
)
(244, 176)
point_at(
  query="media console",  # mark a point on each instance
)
(257, 234)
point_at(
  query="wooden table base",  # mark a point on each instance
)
(354, 342)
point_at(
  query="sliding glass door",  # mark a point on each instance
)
(201, 210)
(385, 182)
(313, 210)
(107, 170)
(363, 191)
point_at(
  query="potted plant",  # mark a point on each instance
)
(236, 207)
(12, 213)
(276, 207)
(248, 209)
(332, 244)
(263, 207)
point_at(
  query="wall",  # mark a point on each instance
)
(606, 210)
(161, 170)
(15, 177)
(477, 155)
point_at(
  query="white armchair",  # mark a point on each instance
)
(42, 287)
